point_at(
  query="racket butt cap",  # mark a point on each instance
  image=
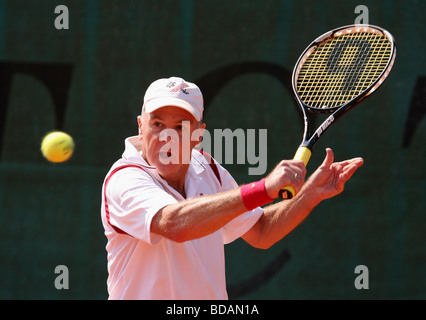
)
(286, 193)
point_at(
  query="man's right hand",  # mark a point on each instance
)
(286, 173)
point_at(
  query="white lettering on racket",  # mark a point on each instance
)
(325, 125)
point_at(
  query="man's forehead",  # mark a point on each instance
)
(171, 113)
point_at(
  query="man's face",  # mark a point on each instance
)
(166, 140)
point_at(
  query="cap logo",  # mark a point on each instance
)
(180, 87)
(171, 84)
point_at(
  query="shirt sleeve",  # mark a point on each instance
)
(133, 200)
(244, 222)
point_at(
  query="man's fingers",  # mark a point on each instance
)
(357, 161)
(349, 170)
(346, 173)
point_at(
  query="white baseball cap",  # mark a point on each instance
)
(174, 91)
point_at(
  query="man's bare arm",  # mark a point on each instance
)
(197, 217)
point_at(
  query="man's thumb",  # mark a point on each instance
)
(329, 158)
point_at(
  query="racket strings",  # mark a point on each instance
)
(363, 53)
(340, 68)
(356, 57)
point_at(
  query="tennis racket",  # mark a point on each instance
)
(335, 73)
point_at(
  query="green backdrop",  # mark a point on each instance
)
(89, 81)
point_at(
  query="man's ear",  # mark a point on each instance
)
(140, 125)
(197, 135)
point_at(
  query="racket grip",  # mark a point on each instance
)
(304, 154)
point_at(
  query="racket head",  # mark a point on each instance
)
(343, 67)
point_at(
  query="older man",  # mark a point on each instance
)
(168, 211)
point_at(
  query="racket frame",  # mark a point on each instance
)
(308, 142)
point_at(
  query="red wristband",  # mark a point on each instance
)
(254, 194)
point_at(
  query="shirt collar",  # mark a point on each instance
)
(133, 151)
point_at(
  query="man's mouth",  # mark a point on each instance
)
(167, 154)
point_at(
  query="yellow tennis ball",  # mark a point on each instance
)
(57, 146)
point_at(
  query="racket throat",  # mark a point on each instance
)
(325, 125)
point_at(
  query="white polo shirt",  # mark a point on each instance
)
(143, 265)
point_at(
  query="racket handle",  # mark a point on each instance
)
(304, 154)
